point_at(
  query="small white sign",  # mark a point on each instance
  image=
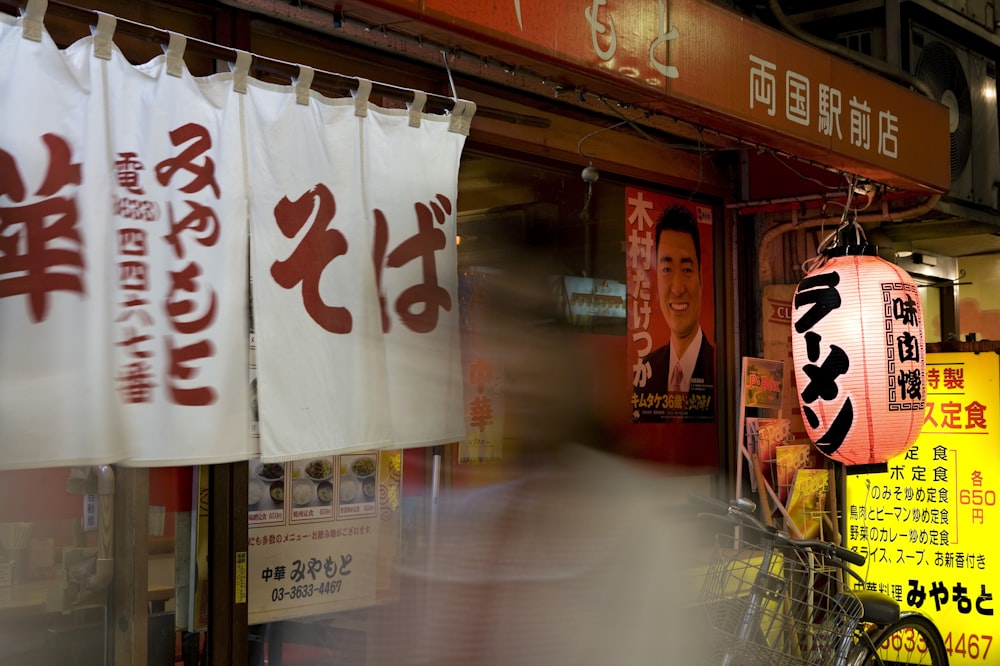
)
(90, 512)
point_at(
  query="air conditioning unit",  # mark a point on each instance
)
(965, 82)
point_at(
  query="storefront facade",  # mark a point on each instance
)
(645, 98)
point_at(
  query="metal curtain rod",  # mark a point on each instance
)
(327, 82)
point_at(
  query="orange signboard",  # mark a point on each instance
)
(723, 71)
(820, 106)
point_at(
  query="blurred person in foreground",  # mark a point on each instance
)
(576, 556)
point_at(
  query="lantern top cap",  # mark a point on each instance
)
(849, 239)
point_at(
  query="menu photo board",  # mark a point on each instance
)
(929, 525)
(318, 531)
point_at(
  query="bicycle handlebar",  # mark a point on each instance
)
(740, 511)
(836, 551)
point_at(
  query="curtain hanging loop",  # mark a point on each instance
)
(104, 35)
(302, 84)
(416, 107)
(241, 71)
(361, 94)
(32, 19)
(175, 54)
(460, 119)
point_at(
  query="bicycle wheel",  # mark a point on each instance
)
(913, 640)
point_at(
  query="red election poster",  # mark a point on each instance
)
(671, 319)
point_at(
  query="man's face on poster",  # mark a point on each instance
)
(678, 283)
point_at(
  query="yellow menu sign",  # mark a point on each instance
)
(930, 525)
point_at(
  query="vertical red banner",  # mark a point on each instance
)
(483, 376)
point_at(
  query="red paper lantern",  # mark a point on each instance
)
(858, 348)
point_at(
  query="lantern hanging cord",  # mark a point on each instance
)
(848, 221)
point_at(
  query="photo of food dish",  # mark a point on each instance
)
(358, 479)
(255, 493)
(303, 492)
(312, 486)
(363, 467)
(368, 488)
(350, 489)
(266, 489)
(270, 471)
(320, 469)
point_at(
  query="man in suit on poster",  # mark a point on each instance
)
(686, 364)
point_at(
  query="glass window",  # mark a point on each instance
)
(53, 584)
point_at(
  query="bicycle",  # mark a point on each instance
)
(775, 600)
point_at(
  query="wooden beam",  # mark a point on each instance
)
(227, 604)
(129, 610)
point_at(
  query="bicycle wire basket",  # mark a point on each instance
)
(776, 606)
